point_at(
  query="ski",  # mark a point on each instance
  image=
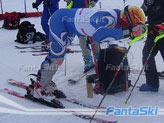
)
(71, 100)
(83, 116)
(25, 47)
(38, 46)
(55, 103)
(23, 51)
(79, 77)
(67, 51)
(39, 54)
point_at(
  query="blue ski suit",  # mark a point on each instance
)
(102, 25)
(47, 12)
(65, 24)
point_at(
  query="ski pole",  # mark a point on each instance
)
(100, 4)
(93, 48)
(1, 7)
(95, 59)
(65, 71)
(155, 42)
(25, 8)
(116, 73)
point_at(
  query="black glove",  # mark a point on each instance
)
(35, 5)
(47, 3)
(134, 31)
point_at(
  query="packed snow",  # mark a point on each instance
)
(14, 64)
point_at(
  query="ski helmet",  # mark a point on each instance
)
(131, 15)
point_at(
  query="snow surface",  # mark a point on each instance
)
(14, 64)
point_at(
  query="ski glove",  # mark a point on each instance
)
(134, 31)
(35, 5)
(159, 29)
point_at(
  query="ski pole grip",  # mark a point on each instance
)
(139, 37)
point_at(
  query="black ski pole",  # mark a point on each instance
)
(155, 42)
(117, 71)
(25, 8)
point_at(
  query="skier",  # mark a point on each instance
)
(102, 25)
(154, 10)
(84, 40)
(50, 6)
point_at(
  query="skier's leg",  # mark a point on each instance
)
(55, 56)
(97, 49)
(161, 47)
(59, 39)
(48, 69)
(152, 80)
(83, 45)
(86, 52)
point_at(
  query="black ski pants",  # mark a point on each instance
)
(151, 70)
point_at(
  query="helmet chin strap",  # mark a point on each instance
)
(128, 16)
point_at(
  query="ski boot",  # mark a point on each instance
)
(146, 87)
(88, 63)
(56, 92)
(36, 93)
(51, 87)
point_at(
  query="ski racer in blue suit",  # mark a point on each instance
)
(103, 25)
(49, 7)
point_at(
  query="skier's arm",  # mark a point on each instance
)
(108, 34)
